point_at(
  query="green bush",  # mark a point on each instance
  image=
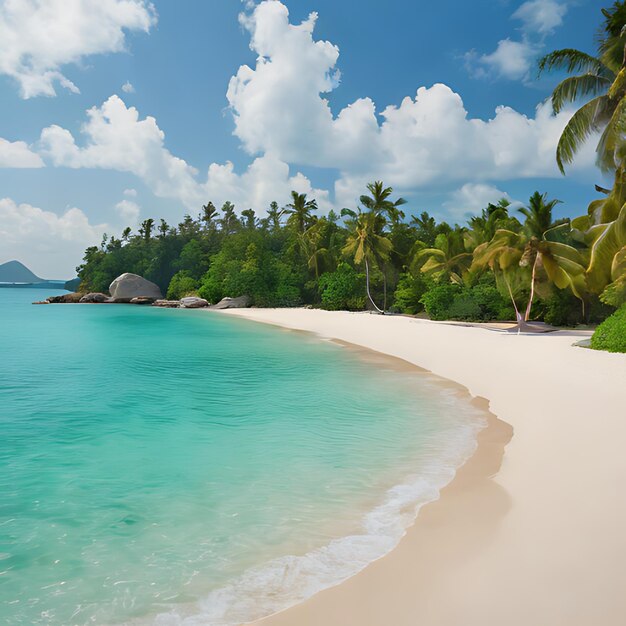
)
(611, 334)
(438, 300)
(408, 294)
(181, 285)
(343, 289)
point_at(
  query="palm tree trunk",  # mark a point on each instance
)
(532, 290)
(367, 285)
(385, 288)
(518, 316)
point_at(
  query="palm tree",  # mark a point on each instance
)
(426, 227)
(300, 209)
(126, 233)
(274, 213)
(483, 227)
(603, 78)
(379, 202)
(447, 260)
(208, 215)
(366, 244)
(538, 215)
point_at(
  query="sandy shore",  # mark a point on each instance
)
(536, 537)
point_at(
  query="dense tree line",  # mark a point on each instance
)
(501, 264)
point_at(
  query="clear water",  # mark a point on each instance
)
(165, 466)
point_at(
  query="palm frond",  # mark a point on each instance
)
(612, 137)
(572, 60)
(575, 87)
(580, 127)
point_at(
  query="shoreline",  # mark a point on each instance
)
(538, 541)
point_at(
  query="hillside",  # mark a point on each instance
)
(16, 272)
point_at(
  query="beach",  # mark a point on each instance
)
(531, 530)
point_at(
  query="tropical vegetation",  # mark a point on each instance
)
(508, 262)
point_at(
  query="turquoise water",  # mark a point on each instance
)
(168, 466)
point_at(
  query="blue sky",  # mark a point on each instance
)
(70, 182)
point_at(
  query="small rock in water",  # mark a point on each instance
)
(193, 303)
(142, 300)
(167, 304)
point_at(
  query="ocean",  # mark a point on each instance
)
(174, 467)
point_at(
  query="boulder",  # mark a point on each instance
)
(191, 302)
(141, 300)
(128, 286)
(242, 302)
(167, 304)
(94, 298)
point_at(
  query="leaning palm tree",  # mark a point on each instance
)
(601, 78)
(366, 244)
(300, 210)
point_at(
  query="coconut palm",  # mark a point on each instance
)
(379, 201)
(601, 77)
(366, 244)
(300, 210)
(447, 260)
(538, 215)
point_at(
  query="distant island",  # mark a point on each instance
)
(16, 274)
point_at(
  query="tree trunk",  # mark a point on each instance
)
(367, 285)
(532, 290)
(385, 288)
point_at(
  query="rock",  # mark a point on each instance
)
(41, 302)
(167, 304)
(242, 302)
(94, 298)
(191, 302)
(68, 298)
(128, 286)
(142, 300)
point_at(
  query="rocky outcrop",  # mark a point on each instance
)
(67, 298)
(94, 298)
(167, 304)
(242, 302)
(192, 302)
(141, 300)
(128, 286)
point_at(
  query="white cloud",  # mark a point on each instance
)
(511, 59)
(541, 16)
(129, 212)
(127, 87)
(430, 139)
(39, 37)
(17, 154)
(116, 138)
(130, 193)
(50, 245)
(471, 198)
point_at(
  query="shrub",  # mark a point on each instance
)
(408, 294)
(611, 334)
(181, 285)
(438, 300)
(343, 289)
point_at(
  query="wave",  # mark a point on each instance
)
(287, 581)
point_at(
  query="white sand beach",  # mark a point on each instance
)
(536, 537)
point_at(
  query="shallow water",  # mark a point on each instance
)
(166, 466)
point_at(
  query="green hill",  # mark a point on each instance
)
(16, 272)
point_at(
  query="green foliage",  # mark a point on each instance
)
(615, 293)
(181, 285)
(409, 294)
(479, 303)
(611, 334)
(342, 289)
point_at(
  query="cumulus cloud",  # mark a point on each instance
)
(511, 59)
(278, 107)
(541, 16)
(471, 198)
(49, 244)
(17, 154)
(128, 211)
(127, 87)
(39, 37)
(116, 138)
